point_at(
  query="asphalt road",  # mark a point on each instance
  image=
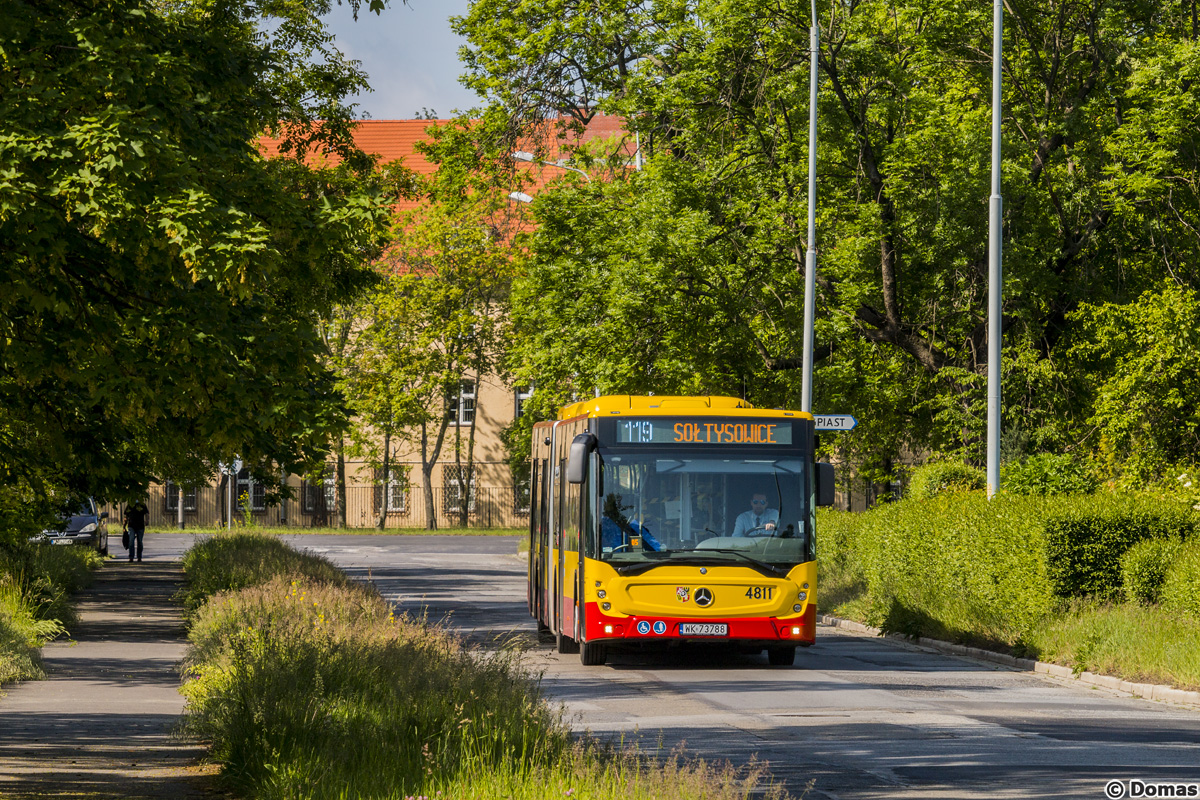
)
(855, 717)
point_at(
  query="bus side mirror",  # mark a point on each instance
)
(825, 484)
(577, 461)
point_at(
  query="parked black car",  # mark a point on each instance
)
(87, 526)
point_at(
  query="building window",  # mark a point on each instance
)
(395, 490)
(172, 497)
(461, 407)
(319, 496)
(522, 397)
(251, 495)
(455, 478)
(521, 497)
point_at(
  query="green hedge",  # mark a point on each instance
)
(1144, 568)
(939, 477)
(954, 566)
(962, 567)
(1086, 539)
(1181, 586)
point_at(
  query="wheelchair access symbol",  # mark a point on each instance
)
(643, 627)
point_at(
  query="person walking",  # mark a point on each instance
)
(135, 525)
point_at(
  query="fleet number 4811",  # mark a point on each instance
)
(760, 592)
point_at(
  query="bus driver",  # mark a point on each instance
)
(759, 520)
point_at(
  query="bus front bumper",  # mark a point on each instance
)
(765, 631)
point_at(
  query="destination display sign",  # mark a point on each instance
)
(707, 432)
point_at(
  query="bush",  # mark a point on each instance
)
(1086, 538)
(234, 561)
(1048, 473)
(1181, 586)
(314, 688)
(932, 479)
(961, 567)
(955, 566)
(1144, 567)
(35, 587)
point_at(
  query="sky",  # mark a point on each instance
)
(410, 54)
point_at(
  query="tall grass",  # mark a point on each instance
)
(310, 687)
(1139, 643)
(230, 561)
(36, 583)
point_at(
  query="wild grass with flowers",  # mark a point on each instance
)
(36, 584)
(310, 686)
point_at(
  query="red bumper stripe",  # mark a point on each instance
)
(755, 628)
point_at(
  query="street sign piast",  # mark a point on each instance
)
(834, 422)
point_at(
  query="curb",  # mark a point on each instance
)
(1148, 691)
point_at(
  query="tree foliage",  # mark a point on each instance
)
(688, 272)
(439, 313)
(161, 279)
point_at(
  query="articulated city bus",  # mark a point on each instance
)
(661, 520)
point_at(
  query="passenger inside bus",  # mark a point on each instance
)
(759, 520)
(618, 533)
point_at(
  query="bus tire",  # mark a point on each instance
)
(781, 656)
(592, 654)
(565, 643)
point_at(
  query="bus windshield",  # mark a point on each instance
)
(658, 507)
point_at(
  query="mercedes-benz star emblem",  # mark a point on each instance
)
(703, 597)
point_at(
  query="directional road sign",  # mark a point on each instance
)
(835, 422)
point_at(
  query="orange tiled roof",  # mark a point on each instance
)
(392, 139)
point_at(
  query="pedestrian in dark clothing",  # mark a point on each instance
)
(135, 524)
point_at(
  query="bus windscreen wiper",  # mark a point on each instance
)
(759, 564)
(697, 558)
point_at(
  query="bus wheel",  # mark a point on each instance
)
(565, 643)
(592, 654)
(781, 656)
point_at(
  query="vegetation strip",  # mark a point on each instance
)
(1107, 584)
(1149, 691)
(36, 584)
(309, 685)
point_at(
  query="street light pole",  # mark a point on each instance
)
(810, 259)
(995, 261)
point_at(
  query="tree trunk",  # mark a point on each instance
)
(340, 500)
(427, 478)
(381, 523)
(470, 476)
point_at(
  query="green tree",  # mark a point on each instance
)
(161, 279)
(439, 314)
(1098, 203)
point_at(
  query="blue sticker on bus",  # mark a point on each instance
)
(643, 627)
(660, 627)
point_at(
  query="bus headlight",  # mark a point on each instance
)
(802, 596)
(602, 594)
(606, 606)
(797, 608)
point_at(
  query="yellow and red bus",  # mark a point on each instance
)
(660, 520)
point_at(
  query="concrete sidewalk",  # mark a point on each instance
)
(100, 725)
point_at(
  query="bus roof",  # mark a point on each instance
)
(671, 405)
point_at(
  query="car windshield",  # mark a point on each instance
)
(658, 507)
(85, 509)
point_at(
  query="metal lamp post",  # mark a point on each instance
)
(810, 259)
(995, 260)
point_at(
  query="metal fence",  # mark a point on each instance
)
(319, 507)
